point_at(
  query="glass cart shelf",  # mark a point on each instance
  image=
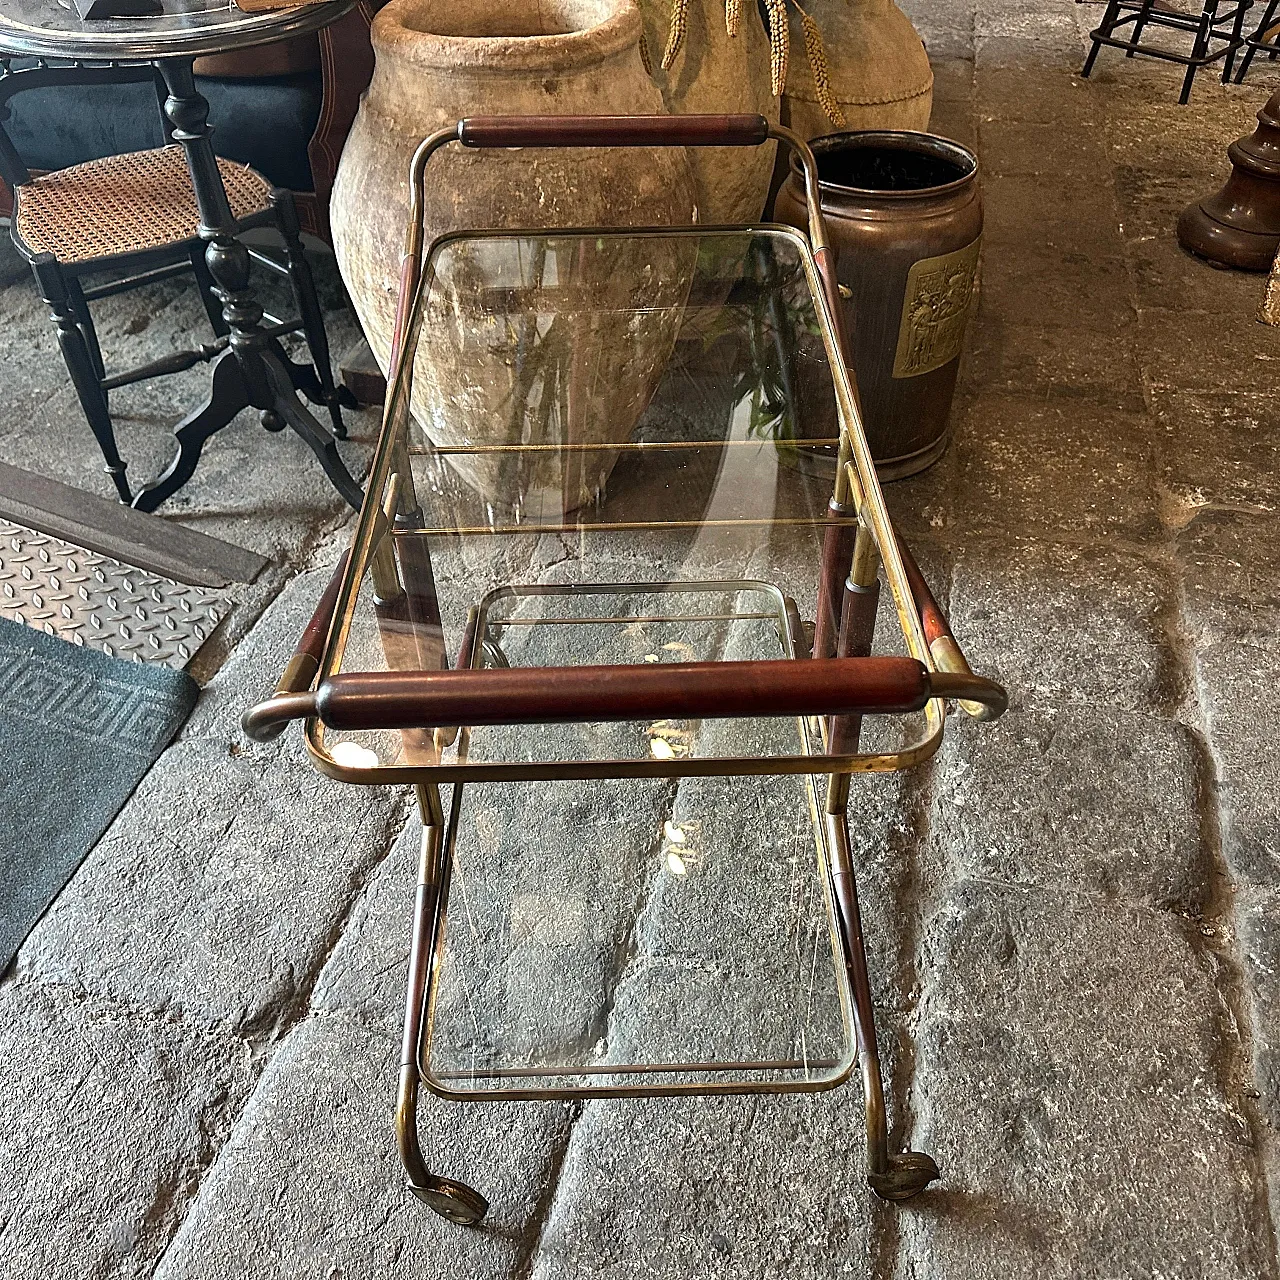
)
(706, 456)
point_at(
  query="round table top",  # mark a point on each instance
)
(186, 28)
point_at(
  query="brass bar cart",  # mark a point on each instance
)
(594, 528)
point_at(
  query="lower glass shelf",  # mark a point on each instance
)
(627, 937)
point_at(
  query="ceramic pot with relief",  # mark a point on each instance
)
(904, 215)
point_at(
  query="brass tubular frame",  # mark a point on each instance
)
(859, 539)
(853, 446)
(788, 622)
(892, 1176)
(453, 1200)
(858, 607)
(853, 457)
(845, 889)
(786, 616)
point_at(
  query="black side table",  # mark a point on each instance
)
(254, 371)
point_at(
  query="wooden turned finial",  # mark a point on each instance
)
(1239, 226)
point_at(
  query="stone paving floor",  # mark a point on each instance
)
(1074, 915)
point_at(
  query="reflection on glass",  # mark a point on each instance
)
(214, 22)
(607, 449)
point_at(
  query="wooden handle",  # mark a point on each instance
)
(564, 695)
(267, 720)
(613, 131)
(944, 647)
(306, 654)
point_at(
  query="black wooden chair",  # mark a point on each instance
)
(133, 217)
(284, 109)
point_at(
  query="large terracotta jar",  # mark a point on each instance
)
(440, 60)
(714, 73)
(880, 73)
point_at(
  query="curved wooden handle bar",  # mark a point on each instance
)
(686, 690)
(944, 647)
(302, 667)
(613, 131)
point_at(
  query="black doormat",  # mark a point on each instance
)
(78, 729)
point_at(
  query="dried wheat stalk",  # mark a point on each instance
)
(779, 45)
(817, 52)
(779, 48)
(675, 36)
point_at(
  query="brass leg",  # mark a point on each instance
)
(857, 630)
(453, 1200)
(422, 601)
(837, 550)
(891, 1177)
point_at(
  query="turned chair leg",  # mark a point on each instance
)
(81, 365)
(204, 282)
(84, 318)
(304, 291)
(452, 1200)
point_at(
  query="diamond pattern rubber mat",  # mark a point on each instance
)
(93, 600)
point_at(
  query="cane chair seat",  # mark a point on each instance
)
(124, 204)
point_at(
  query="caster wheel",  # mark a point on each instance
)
(271, 420)
(907, 1175)
(453, 1200)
